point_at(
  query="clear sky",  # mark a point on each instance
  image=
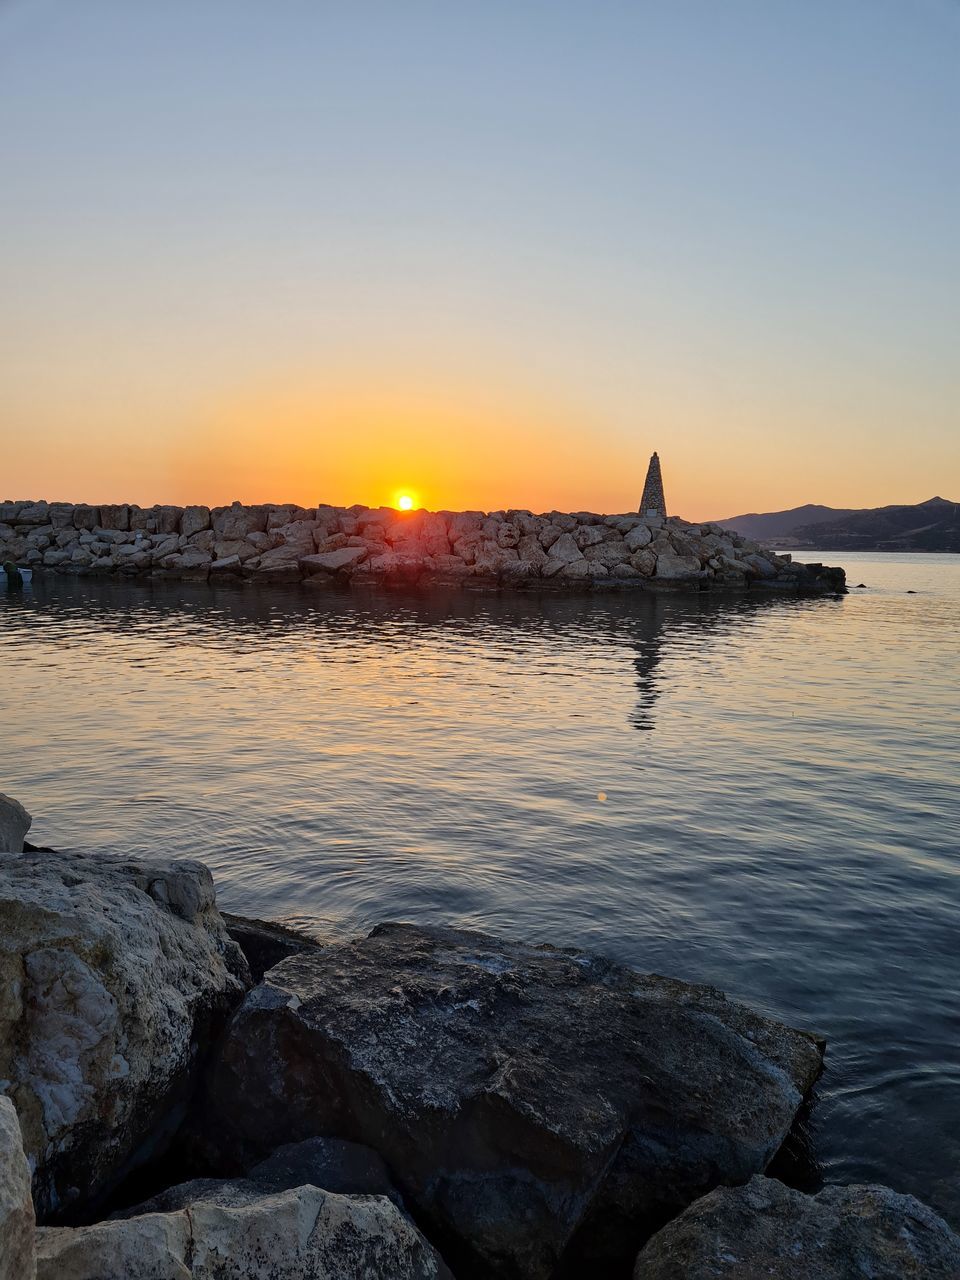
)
(493, 253)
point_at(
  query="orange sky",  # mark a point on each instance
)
(495, 255)
(453, 447)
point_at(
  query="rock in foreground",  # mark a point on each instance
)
(114, 976)
(240, 1233)
(521, 1095)
(15, 822)
(346, 1168)
(765, 1231)
(16, 1206)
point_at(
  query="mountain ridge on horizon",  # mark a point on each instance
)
(932, 525)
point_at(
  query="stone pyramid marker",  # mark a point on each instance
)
(652, 503)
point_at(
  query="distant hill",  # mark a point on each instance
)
(781, 524)
(933, 525)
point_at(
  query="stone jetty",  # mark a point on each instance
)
(419, 1104)
(359, 546)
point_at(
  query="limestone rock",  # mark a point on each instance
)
(33, 513)
(242, 548)
(240, 1233)
(548, 534)
(675, 568)
(518, 572)
(226, 567)
(761, 565)
(582, 569)
(17, 1260)
(332, 561)
(203, 541)
(297, 534)
(237, 520)
(194, 520)
(530, 550)
(564, 549)
(114, 975)
(516, 1092)
(451, 568)
(607, 553)
(15, 822)
(85, 517)
(265, 943)
(189, 565)
(765, 1231)
(282, 564)
(61, 515)
(490, 559)
(588, 535)
(637, 537)
(115, 516)
(346, 1168)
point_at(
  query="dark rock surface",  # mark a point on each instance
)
(264, 943)
(516, 1092)
(765, 1231)
(346, 1168)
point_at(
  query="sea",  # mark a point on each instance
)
(756, 793)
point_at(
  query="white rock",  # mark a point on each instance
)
(588, 535)
(565, 549)
(17, 1260)
(15, 822)
(531, 552)
(303, 1234)
(582, 569)
(676, 568)
(194, 520)
(637, 537)
(331, 561)
(113, 976)
(606, 553)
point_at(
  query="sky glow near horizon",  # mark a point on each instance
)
(492, 255)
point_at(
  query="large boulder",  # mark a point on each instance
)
(16, 1206)
(265, 943)
(15, 822)
(240, 1233)
(522, 1096)
(765, 1231)
(115, 974)
(331, 1164)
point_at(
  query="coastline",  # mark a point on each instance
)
(354, 547)
(458, 1103)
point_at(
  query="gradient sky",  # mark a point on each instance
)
(491, 253)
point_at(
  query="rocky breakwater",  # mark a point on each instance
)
(329, 546)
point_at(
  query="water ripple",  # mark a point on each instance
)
(779, 810)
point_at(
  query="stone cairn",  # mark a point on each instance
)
(653, 503)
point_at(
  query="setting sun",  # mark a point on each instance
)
(405, 502)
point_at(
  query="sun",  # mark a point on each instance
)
(405, 502)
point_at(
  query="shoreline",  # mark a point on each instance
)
(470, 1105)
(353, 547)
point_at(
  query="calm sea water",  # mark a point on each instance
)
(759, 794)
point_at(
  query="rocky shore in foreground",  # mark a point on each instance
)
(188, 1096)
(359, 546)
